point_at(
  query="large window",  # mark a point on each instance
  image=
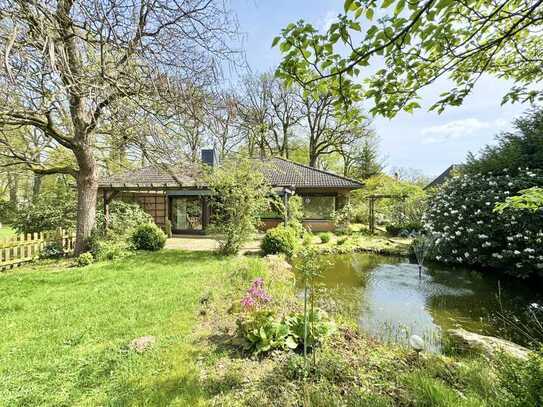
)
(319, 207)
(186, 213)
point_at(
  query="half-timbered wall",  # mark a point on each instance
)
(152, 203)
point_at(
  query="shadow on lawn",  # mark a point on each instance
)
(226, 344)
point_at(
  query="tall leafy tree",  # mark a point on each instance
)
(69, 66)
(516, 150)
(286, 115)
(222, 123)
(328, 128)
(418, 42)
(361, 157)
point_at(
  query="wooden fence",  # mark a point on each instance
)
(24, 248)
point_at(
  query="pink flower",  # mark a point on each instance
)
(256, 295)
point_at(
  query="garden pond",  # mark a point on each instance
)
(391, 301)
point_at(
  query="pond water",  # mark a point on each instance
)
(391, 302)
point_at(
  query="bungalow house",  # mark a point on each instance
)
(181, 196)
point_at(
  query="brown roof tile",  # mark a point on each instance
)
(278, 171)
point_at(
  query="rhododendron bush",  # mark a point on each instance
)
(468, 231)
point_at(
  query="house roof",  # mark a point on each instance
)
(441, 178)
(282, 172)
(155, 177)
(279, 172)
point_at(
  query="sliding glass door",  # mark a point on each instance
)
(186, 214)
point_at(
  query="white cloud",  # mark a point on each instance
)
(458, 129)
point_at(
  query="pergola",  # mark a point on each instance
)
(375, 197)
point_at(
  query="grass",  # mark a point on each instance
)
(6, 232)
(65, 330)
(359, 242)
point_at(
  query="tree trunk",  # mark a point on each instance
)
(313, 158)
(286, 151)
(87, 193)
(13, 182)
(36, 186)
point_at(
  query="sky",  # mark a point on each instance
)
(424, 140)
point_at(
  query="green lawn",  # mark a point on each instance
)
(65, 331)
(6, 231)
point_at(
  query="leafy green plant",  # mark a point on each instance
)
(108, 250)
(522, 380)
(48, 212)
(280, 239)
(148, 237)
(319, 327)
(308, 238)
(52, 250)
(468, 231)
(124, 218)
(84, 259)
(530, 199)
(343, 217)
(263, 333)
(325, 237)
(240, 195)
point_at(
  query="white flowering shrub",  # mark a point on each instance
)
(467, 230)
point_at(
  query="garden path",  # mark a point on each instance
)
(207, 243)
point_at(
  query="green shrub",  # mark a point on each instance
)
(124, 218)
(403, 229)
(342, 218)
(308, 239)
(48, 212)
(240, 195)
(109, 250)
(280, 239)
(468, 231)
(84, 259)
(341, 241)
(325, 237)
(263, 333)
(52, 250)
(522, 380)
(103, 248)
(148, 237)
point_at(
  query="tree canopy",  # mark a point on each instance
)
(515, 151)
(417, 43)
